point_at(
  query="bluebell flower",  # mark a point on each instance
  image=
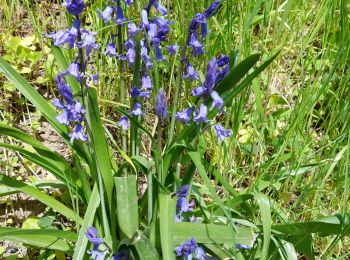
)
(74, 7)
(146, 82)
(162, 23)
(184, 116)
(181, 204)
(120, 16)
(130, 57)
(78, 134)
(191, 73)
(210, 77)
(161, 9)
(122, 255)
(144, 19)
(158, 53)
(221, 132)
(124, 123)
(172, 49)
(74, 70)
(187, 248)
(222, 74)
(223, 60)
(64, 90)
(161, 107)
(135, 92)
(132, 29)
(145, 57)
(201, 115)
(58, 103)
(217, 100)
(197, 47)
(106, 14)
(242, 246)
(213, 9)
(92, 236)
(63, 118)
(111, 50)
(88, 42)
(66, 36)
(137, 110)
(183, 191)
(198, 91)
(198, 20)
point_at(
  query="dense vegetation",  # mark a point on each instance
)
(276, 186)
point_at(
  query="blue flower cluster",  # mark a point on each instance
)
(190, 248)
(73, 111)
(217, 69)
(150, 33)
(182, 205)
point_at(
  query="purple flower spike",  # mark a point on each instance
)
(201, 115)
(210, 78)
(74, 7)
(187, 248)
(161, 107)
(172, 49)
(137, 110)
(78, 134)
(124, 123)
(106, 14)
(184, 116)
(191, 73)
(217, 100)
(221, 133)
(122, 255)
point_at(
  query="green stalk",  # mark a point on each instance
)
(178, 80)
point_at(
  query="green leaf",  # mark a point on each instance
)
(99, 145)
(80, 246)
(237, 73)
(213, 234)
(331, 225)
(127, 206)
(40, 196)
(145, 249)
(167, 208)
(45, 238)
(265, 210)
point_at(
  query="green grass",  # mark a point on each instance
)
(291, 126)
